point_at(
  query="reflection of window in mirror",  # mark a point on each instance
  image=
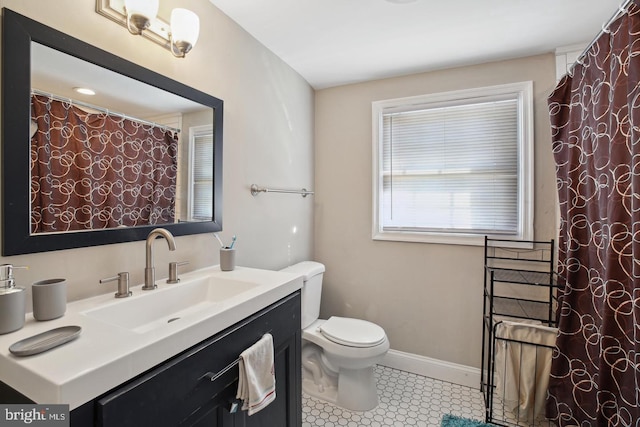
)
(200, 173)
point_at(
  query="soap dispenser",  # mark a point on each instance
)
(12, 301)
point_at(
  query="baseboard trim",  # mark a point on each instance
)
(433, 368)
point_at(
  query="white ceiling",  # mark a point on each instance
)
(335, 42)
(58, 73)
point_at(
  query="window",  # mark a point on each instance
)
(453, 167)
(201, 173)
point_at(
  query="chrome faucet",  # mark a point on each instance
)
(149, 270)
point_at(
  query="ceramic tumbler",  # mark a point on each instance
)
(49, 299)
(227, 259)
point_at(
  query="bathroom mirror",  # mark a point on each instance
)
(44, 64)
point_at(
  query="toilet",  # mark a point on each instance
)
(338, 354)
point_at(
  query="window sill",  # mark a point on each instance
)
(444, 239)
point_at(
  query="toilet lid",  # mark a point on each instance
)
(352, 332)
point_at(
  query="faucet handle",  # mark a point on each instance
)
(173, 271)
(123, 284)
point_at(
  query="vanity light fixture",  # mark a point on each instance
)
(178, 36)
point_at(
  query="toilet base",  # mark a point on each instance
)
(341, 375)
(357, 389)
(325, 392)
(354, 390)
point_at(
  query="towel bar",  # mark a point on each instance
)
(255, 190)
(212, 377)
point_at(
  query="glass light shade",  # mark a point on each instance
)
(185, 26)
(146, 8)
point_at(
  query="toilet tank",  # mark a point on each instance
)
(311, 273)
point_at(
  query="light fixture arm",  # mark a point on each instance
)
(140, 23)
(179, 48)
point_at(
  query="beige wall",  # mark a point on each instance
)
(268, 139)
(428, 297)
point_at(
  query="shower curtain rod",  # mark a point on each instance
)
(101, 109)
(605, 29)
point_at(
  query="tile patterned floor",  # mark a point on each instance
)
(406, 399)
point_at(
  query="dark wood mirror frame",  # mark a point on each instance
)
(17, 34)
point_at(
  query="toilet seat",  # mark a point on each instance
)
(352, 332)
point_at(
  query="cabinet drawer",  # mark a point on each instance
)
(169, 393)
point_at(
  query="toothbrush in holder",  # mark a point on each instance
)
(222, 245)
(219, 240)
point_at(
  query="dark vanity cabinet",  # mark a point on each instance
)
(179, 391)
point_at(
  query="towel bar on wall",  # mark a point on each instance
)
(255, 190)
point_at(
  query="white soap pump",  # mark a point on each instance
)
(12, 301)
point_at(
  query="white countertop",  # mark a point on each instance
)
(106, 355)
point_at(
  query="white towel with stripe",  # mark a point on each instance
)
(257, 380)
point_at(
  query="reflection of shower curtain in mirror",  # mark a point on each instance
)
(93, 171)
(595, 116)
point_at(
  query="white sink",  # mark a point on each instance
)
(124, 337)
(148, 310)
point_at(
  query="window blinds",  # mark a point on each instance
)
(451, 169)
(202, 177)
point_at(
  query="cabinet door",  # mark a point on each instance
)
(286, 409)
(209, 419)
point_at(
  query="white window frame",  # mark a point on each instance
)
(194, 132)
(523, 92)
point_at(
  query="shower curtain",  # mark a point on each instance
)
(595, 116)
(96, 170)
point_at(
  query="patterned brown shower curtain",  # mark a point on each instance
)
(95, 170)
(595, 116)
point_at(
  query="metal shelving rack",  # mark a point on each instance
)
(509, 265)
